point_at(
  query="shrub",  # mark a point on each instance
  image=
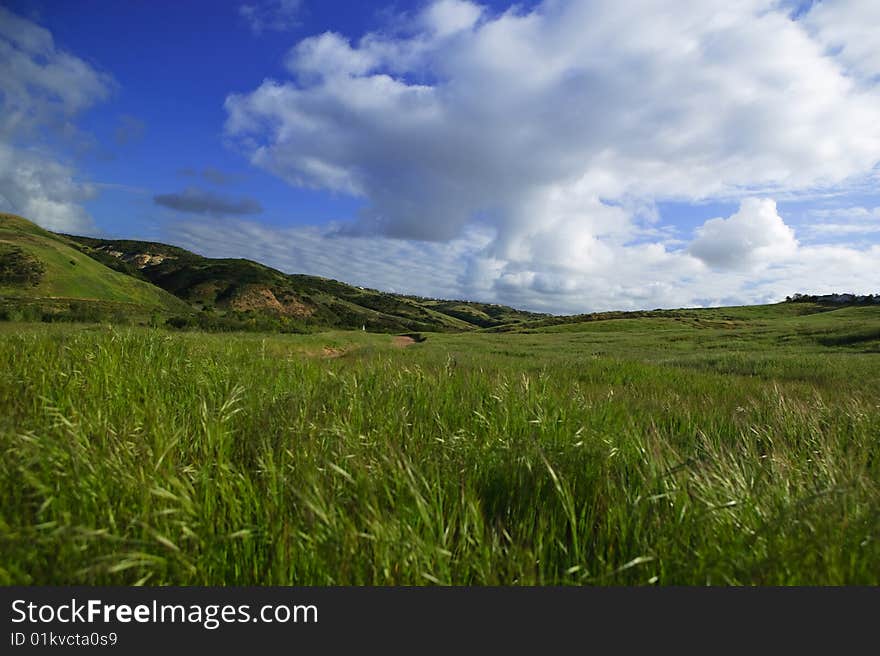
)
(19, 268)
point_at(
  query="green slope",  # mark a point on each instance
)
(687, 334)
(227, 287)
(722, 317)
(37, 266)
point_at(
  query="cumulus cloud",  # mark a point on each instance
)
(198, 201)
(42, 88)
(42, 85)
(271, 15)
(557, 129)
(446, 17)
(44, 190)
(755, 235)
(683, 99)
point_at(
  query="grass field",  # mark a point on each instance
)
(731, 446)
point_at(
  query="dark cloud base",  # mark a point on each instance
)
(198, 201)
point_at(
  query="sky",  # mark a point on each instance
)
(562, 156)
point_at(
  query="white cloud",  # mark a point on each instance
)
(855, 213)
(329, 55)
(849, 29)
(271, 15)
(842, 229)
(756, 235)
(842, 223)
(681, 99)
(447, 17)
(549, 127)
(40, 84)
(43, 190)
(42, 87)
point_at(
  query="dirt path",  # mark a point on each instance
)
(402, 341)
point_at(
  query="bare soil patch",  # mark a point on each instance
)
(262, 298)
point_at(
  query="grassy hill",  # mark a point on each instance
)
(709, 316)
(87, 278)
(226, 288)
(686, 336)
(41, 272)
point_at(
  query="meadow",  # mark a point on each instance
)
(716, 447)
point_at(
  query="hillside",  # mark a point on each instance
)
(88, 278)
(224, 288)
(42, 273)
(711, 317)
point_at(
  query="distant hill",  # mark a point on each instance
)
(46, 275)
(41, 272)
(709, 317)
(236, 290)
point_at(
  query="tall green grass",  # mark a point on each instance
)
(143, 456)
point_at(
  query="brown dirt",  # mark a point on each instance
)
(402, 341)
(262, 298)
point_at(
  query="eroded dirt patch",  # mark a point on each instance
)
(402, 341)
(258, 298)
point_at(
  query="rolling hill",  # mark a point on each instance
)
(42, 271)
(225, 289)
(86, 278)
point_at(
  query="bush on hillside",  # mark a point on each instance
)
(19, 268)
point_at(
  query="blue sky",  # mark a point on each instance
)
(567, 155)
(174, 64)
